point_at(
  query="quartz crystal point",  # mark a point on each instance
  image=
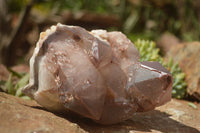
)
(95, 74)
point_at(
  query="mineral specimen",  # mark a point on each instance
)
(95, 74)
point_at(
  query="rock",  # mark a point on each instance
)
(167, 41)
(174, 117)
(21, 68)
(4, 73)
(96, 74)
(188, 57)
(18, 116)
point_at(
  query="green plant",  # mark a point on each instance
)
(149, 52)
(179, 85)
(15, 83)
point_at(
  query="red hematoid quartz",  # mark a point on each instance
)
(95, 74)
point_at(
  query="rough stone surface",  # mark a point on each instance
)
(24, 116)
(188, 57)
(20, 116)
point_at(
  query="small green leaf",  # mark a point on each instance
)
(20, 84)
(170, 62)
(26, 97)
(192, 105)
(15, 73)
(9, 85)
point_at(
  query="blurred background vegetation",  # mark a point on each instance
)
(144, 19)
(23, 20)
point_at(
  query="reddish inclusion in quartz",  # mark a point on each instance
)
(96, 74)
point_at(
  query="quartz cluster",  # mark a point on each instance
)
(95, 74)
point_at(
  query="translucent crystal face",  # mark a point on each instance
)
(95, 74)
